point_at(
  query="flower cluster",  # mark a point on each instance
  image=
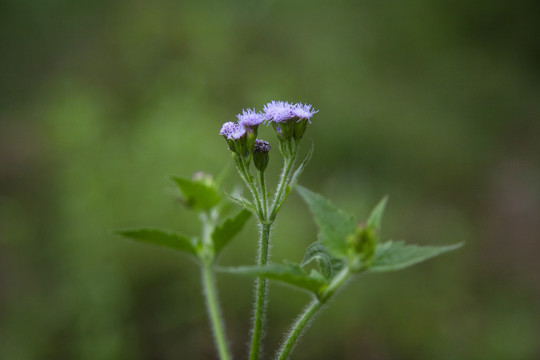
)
(289, 121)
(283, 111)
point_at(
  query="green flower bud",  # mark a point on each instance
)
(260, 154)
(362, 245)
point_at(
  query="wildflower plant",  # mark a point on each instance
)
(345, 247)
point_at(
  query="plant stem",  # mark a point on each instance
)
(298, 327)
(305, 318)
(284, 176)
(338, 280)
(212, 306)
(266, 224)
(261, 287)
(248, 179)
(263, 194)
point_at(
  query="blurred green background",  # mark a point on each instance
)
(435, 103)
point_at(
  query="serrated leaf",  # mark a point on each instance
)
(301, 167)
(225, 232)
(396, 255)
(158, 237)
(288, 273)
(243, 202)
(198, 194)
(335, 226)
(375, 218)
(328, 264)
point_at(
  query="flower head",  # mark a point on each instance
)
(304, 111)
(232, 130)
(228, 129)
(249, 118)
(278, 111)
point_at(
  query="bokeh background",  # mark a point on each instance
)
(436, 104)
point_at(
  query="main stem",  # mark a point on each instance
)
(267, 220)
(260, 305)
(212, 306)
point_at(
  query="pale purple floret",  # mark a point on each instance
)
(304, 111)
(278, 111)
(281, 111)
(238, 133)
(232, 130)
(250, 118)
(228, 128)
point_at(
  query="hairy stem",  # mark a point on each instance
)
(260, 301)
(282, 184)
(263, 194)
(299, 326)
(248, 179)
(266, 224)
(304, 319)
(214, 313)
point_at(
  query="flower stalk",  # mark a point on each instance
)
(290, 122)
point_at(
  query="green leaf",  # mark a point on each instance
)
(288, 273)
(328, 264)
(375, 218)
(198, 194)
(301, 167)
(335, 226)
(396, 255)
(243, 202)
(225, 232)
(158, 237)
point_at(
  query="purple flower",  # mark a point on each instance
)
(304, 111)
(278, 111)
(250, 118)
(228, 128)
(232, 130)
(282, 111)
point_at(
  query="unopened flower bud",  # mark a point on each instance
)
(260, 154)
(363, 243)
